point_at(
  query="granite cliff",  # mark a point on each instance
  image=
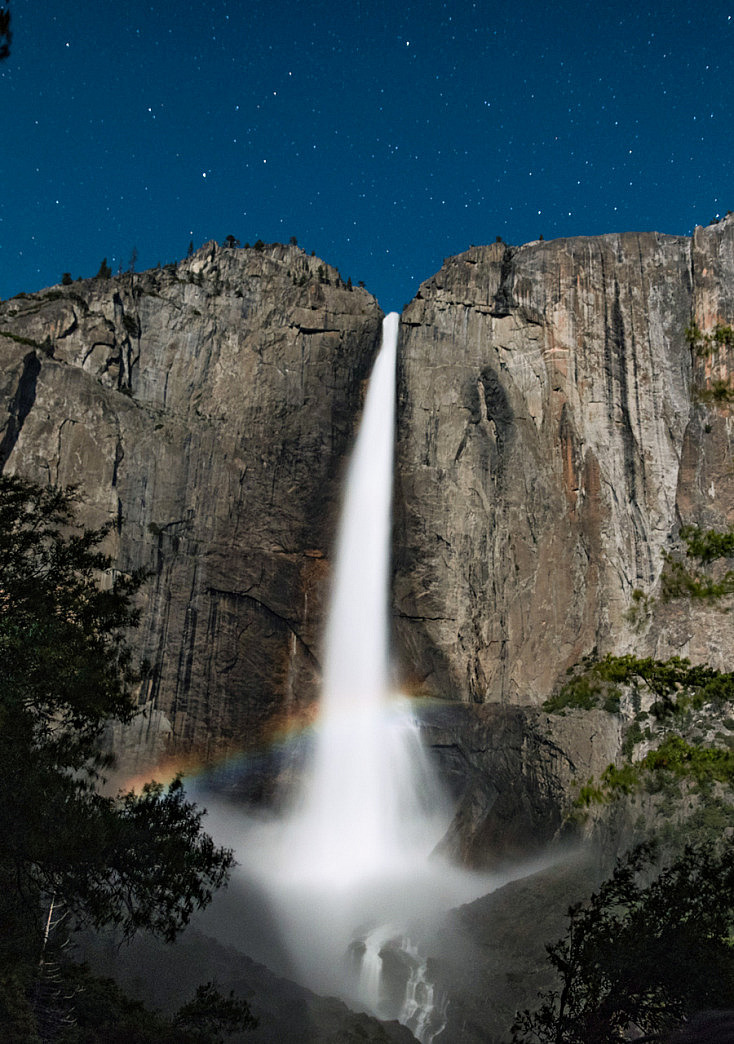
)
(553, 436)
(555, 429)
(207, 407)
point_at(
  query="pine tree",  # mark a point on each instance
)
(135, 861)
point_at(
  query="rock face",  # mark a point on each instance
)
(555, 429)
(492, 960)
(209, 405)
(511, 770)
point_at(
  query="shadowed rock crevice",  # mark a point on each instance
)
(20, 406)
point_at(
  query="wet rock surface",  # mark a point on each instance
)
(513, 772)
(490, 957)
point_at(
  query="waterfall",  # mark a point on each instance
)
(369, 777)
(422, 1011)
(347, 870)
(356, 648)
(370, 967)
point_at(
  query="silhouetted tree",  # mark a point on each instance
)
(105, 272)
(209, 1013)
(135, 861)
(641, 955)
(6, 35)
(103, 1012)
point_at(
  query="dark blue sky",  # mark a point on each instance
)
(384, 136)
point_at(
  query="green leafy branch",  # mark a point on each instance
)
(675, 757)
(720, 393)
(705, 344)
(675, 684)
(705, 547)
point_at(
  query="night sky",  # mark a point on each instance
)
(384, 136)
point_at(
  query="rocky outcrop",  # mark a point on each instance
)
(207, 408)
(555, 429)
(512, 771)
(490, 955)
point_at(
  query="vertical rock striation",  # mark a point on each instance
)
(207, 407)
(551, 439)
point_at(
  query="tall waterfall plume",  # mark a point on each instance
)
(346, 874)
(369, 789)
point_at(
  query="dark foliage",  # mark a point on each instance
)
(705, 344)
(706, 547)
(643, 956)
(6, 35)
(103, 1012)
(210, 1013)
(676, 684)
(135, 861)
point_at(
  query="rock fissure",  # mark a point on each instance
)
(416, 616)
(251, 599)
(20, 406)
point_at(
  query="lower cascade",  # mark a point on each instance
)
(423, 1011)
(346, 874)
(394, 983)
